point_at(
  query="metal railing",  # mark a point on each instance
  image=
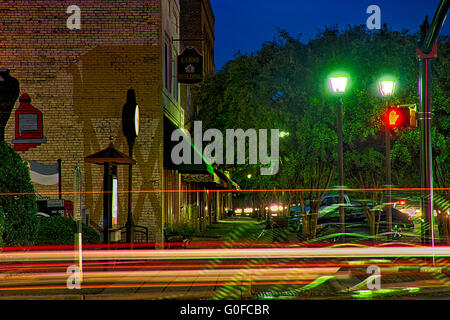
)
(139, 234)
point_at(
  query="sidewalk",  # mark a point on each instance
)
(240, 230)
(237, 229)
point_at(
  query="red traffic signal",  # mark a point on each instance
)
(398, 117)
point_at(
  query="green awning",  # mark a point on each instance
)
(191, 167)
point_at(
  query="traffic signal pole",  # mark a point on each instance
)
(426, 165)
(425, 53)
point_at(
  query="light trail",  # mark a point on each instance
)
(234, 253)
(229, 263)
(195, 275)
(151, 285)
(225, 190)
(166, 278)
(155, 271)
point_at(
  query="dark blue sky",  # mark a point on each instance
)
(245, 24)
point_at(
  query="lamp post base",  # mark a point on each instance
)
(129, 229)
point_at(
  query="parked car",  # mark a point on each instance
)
(328, 203)
(355, 217)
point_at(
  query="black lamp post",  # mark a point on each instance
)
(130, 127)
(387, 88)
(338, 85)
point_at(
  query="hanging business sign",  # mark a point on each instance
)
(190, 66)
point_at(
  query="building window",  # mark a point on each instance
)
(170, 69)
(168, 65)
(188, 98)
(175, 78)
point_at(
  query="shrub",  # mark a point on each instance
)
(19, 209)
(59, 230)
(2, 225)
(178, 229)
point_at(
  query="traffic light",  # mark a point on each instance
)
(402, 116)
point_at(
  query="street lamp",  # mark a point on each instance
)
(338, 85)
(387, 88)
(130, 128)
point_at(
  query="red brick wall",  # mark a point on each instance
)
(79, 80)
(197, 22)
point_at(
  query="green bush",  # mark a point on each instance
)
(59, 230)
(20, 207)
(2, 225)
(178, 229)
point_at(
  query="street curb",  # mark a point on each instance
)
(44, 297)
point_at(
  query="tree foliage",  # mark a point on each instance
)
(284, 85)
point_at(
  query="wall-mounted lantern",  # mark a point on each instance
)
(29, 125)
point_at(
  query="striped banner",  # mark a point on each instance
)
(45, 174)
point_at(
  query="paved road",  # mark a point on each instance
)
(228, 273)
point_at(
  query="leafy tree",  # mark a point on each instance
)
(284, 86)
(441, 136)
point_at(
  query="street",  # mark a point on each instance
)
(226, 270)
(248, 153)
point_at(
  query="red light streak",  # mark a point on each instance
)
(141, 265)
(207, 267)
(198, 245)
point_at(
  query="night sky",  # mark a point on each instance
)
(245, 24)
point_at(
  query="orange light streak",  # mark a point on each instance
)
(156, 285)
(223, 190)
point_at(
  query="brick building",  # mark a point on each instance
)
(197, 19)
(79, 77)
